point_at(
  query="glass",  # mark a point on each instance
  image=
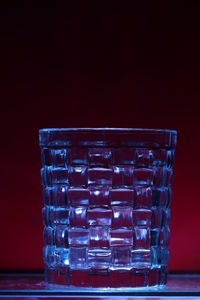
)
(106, 194)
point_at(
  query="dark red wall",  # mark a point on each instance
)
(104, 65)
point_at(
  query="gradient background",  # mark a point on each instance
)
(96, 64)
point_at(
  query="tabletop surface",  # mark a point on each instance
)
(33, 286)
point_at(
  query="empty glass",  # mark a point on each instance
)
(106, 194)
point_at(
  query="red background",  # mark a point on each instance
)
(96, 64)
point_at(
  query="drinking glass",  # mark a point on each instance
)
(106, 215)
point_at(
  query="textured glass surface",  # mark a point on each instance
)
(106, 195)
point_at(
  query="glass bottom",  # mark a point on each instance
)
(107, 279)
(26, 286)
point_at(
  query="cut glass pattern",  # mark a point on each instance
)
(106, 215)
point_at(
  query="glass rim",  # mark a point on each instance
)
(108, 129)
(108, 137)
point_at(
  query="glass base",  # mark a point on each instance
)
(26, 286)
(137, 278)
